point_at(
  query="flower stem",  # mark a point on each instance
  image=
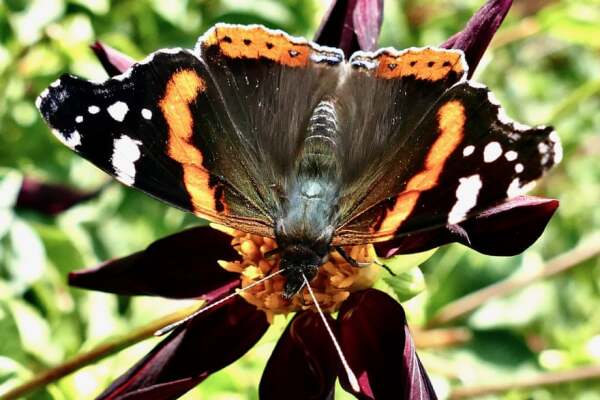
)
(470, 302)
(545, 379)
(99, 352)
(441, 338)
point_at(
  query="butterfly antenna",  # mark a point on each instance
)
(351, 377)
(203, 308)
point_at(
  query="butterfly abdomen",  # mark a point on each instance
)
(313, 189)
(306, 227)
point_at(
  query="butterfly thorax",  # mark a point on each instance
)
(306, 227)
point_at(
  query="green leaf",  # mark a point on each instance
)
(10, 184)
(26, 258)
(405, 262)
(406, 285)
(34, 333)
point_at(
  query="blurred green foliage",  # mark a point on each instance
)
(544, 66)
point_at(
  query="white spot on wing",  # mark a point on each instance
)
(491, 152)
(126, 152)
(147, 114)
(118, 111)
(516, 189)
(511, 155)
(79, 119)
(557, 148)
(519, 168)
(56, 83)
(93, 109)
(477, 85)
(544, 150)
(466, 198)
(467, 151)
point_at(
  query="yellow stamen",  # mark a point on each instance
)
(332, 285)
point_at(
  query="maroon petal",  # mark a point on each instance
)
(113, 61)
(480, 30)
(504, 230)
(206, 344)
(50, 198)
(351, 25)
(183, 265)
(377, 344)
(304, 363)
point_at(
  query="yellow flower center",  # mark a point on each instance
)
(332, 285)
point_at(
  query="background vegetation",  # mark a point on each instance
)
(543, 65)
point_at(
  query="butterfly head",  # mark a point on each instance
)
(298, 260)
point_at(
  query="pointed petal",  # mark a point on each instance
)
(351, 25)
(113, 61)
(367, 18)
(50, 198)
(183, 265)
(304, 363)
(503, 230)
(185, 358)
(376, 341)
(477, 35)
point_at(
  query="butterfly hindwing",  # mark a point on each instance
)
(381, 102)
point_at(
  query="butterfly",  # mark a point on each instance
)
(277, 136)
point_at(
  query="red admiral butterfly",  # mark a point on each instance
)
(280, 137)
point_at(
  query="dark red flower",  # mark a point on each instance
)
(371, 326)
(522, 219)
(351, 25)
(304, 364)
(50, 198)
(113, 61)
(477, 35)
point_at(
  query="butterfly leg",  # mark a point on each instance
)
(271, 253)
(357, 264)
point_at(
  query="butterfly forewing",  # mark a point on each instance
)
(464, 156)
(211, 131)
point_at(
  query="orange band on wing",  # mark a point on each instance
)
(182, 89)
(451, 123)
(427, 64)
(451, 120)
(256, 42)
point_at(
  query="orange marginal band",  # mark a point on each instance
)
(183, 88)
(451, 120)
(256, 42)
(426, 64)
